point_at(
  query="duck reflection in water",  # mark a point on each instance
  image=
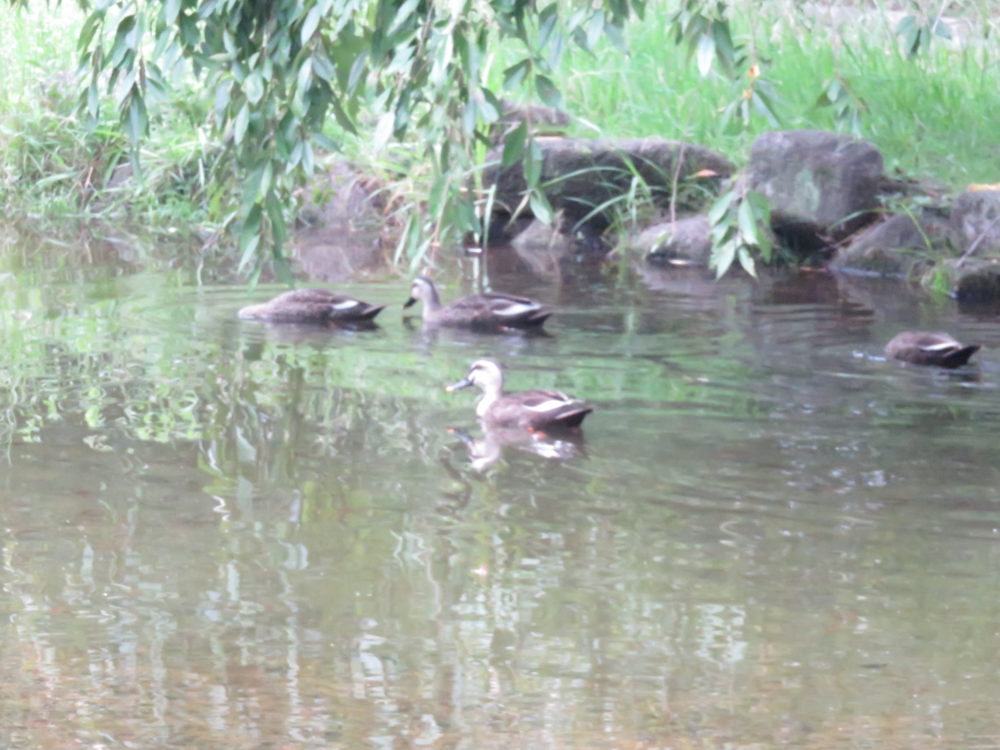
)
(484, 452)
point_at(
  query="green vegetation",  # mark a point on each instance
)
(921, 88)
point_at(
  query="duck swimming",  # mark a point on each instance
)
(537, 410)
(491, 310)
(929, 348)
(311, 306)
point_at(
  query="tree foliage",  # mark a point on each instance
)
(277, 69)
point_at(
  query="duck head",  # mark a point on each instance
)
(485, 374)
(422, 289)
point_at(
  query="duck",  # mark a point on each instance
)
(929, 348)
(536, 410)
(491, 310)
(311, 306)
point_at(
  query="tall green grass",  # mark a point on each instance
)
(935, 116)
(55, 169)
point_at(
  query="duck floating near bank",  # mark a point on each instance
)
(929, 348)
(311, 306)
(491, 310)
(536, 410)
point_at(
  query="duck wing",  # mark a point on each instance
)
(539, 409)
(511, 310)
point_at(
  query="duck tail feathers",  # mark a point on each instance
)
(572, 417)
(959, 357)
(371, 312)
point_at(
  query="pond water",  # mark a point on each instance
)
(218, 533)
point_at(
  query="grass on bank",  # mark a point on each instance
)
(934, 117)
(56, 171)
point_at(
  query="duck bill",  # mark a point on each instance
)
(463, 383)
(410, 302)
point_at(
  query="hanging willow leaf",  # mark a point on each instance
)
(273, 72)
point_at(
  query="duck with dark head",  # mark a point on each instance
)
(311, 306)
(490, 310)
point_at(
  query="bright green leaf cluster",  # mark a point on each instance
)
(739, 223)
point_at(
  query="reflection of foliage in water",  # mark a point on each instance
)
(271, 535)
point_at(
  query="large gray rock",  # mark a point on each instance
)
(822, 186)
(975, 221)
(897, 246)
(685, 241)
(585, 178)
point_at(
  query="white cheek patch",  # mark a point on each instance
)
(514, 309)
(345, 305)
(547, 405)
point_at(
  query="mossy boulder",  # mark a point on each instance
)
(822, 186)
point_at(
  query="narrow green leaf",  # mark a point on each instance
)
(547, 91)
(705, 54)
(170, 10)
(137, 117)
(514, 76)
(942, 29)
(533, 164)
(304, 76)
(240, 123)
(541, 207)
(722, 258)
(488, 108)
(747, 222)
(383, 131)
(720, 207)
(311, 23)
(547, 23)
(761, 207)
(253, 87)
(595, 27)
(513, 145)
(747, 261)
(250, 236)
(276, 215)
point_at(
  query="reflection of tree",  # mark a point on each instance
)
(212, 537)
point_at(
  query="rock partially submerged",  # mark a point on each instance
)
(684, 241)
(973, 281)
(900, 246)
